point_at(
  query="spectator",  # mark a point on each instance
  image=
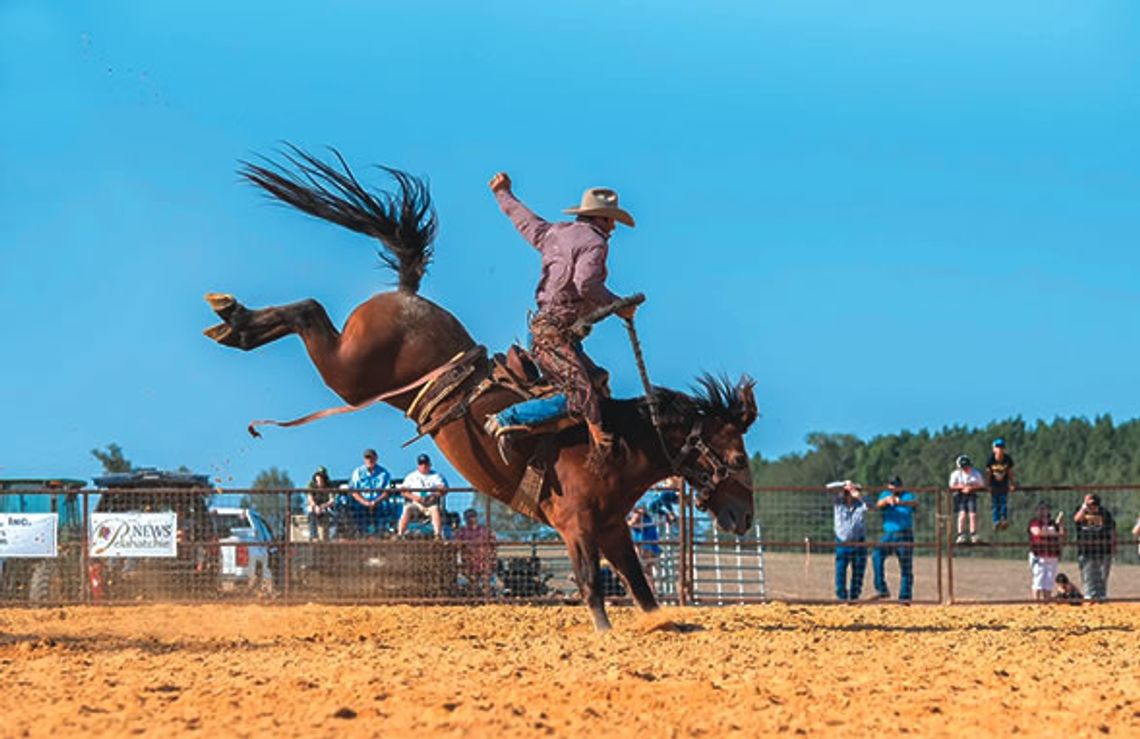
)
(369, 483)
(319, 504)
(477, 552)
(966, 482)
(1067, 591)
(1096, 542)
(1045, 536)
(850, 514)
(897, 506)
(450, 525)
(646, 538)
(999, 477)
(424, 496)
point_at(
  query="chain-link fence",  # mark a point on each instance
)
(197, 543)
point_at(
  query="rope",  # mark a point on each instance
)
(650, 398)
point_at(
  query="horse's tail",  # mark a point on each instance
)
(404, 221)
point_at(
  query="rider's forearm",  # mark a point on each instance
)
(529, 224)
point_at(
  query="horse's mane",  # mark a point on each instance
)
(711, 397)
(404, 221)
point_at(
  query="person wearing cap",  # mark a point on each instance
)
(999, 477)
(897, 506)
(965, 482)
(319, 503)
(572, 285)
(424, 489)
(849, 513)
(369, 496)
(1045, 535)
(1096, 543)
(476, 553)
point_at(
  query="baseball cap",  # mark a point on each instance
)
(999, 441)
(896, 481)
(371, 453)
(423, 459)
(962, 461)
(321, 471)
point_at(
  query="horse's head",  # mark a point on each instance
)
(711, 454)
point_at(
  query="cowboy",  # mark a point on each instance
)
(573, 284)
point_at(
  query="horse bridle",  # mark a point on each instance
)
(707, 470)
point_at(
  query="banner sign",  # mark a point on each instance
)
(28, 534)
(134, 534)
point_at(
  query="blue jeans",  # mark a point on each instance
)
(901, 544)
(999, 507)
(1094, 575)
(856, 558)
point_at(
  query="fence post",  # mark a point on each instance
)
(949, 545)
(84, 566)
(685, 546)
(287, 549)
(939, 524)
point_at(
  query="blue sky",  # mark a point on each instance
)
(893, 216)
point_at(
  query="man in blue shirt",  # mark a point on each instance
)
(369, 486)
(850, 534)
(897, 506)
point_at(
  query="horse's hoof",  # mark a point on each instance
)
(222, 303)
(223, 333)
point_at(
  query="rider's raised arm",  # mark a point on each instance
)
(532, 226)
(590, 275)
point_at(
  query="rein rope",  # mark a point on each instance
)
(650, 398)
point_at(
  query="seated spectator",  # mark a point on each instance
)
(850, 521)
(1067, 591)
(897, 506)
(477, 552)
(966, 481)
(450, 525)
(646, 538)
(1045, 535)
(319, 504)
(1096, 543)
(369, 484)
(424, 493)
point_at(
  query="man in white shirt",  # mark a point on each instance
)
(965, 482)
(424, 489)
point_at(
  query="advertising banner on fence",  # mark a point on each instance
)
(134, 534)
(28, 534)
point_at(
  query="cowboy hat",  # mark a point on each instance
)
(601, 201)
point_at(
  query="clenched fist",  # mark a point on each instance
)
(501, 181)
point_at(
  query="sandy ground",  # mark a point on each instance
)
(532, 671)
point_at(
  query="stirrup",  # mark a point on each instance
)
(504, 436)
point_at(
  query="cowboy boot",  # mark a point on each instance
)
(602, 440)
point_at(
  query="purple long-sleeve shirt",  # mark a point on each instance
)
(573, 261)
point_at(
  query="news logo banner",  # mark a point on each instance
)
(134, 534)
(28, 534)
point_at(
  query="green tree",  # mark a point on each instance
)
(112, 459)
(276, 503)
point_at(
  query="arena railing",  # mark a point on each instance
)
(125, 546)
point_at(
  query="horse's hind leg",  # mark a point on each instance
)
(246, 329)
(619, 550)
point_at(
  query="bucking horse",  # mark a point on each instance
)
(402, 349)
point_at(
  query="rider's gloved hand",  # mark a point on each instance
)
(501, 181)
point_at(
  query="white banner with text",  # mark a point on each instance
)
(28, 534)
(134, 534)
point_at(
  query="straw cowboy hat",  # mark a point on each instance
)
(601, 201)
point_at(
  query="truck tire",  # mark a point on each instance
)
(46, 583)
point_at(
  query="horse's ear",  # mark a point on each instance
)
(744, 391)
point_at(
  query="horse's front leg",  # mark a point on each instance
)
(619, 550)
(583, 548)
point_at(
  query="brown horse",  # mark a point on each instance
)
(395, 339)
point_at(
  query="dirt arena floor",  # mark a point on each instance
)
(234, 670)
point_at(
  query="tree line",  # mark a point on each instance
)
(1073, 451)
